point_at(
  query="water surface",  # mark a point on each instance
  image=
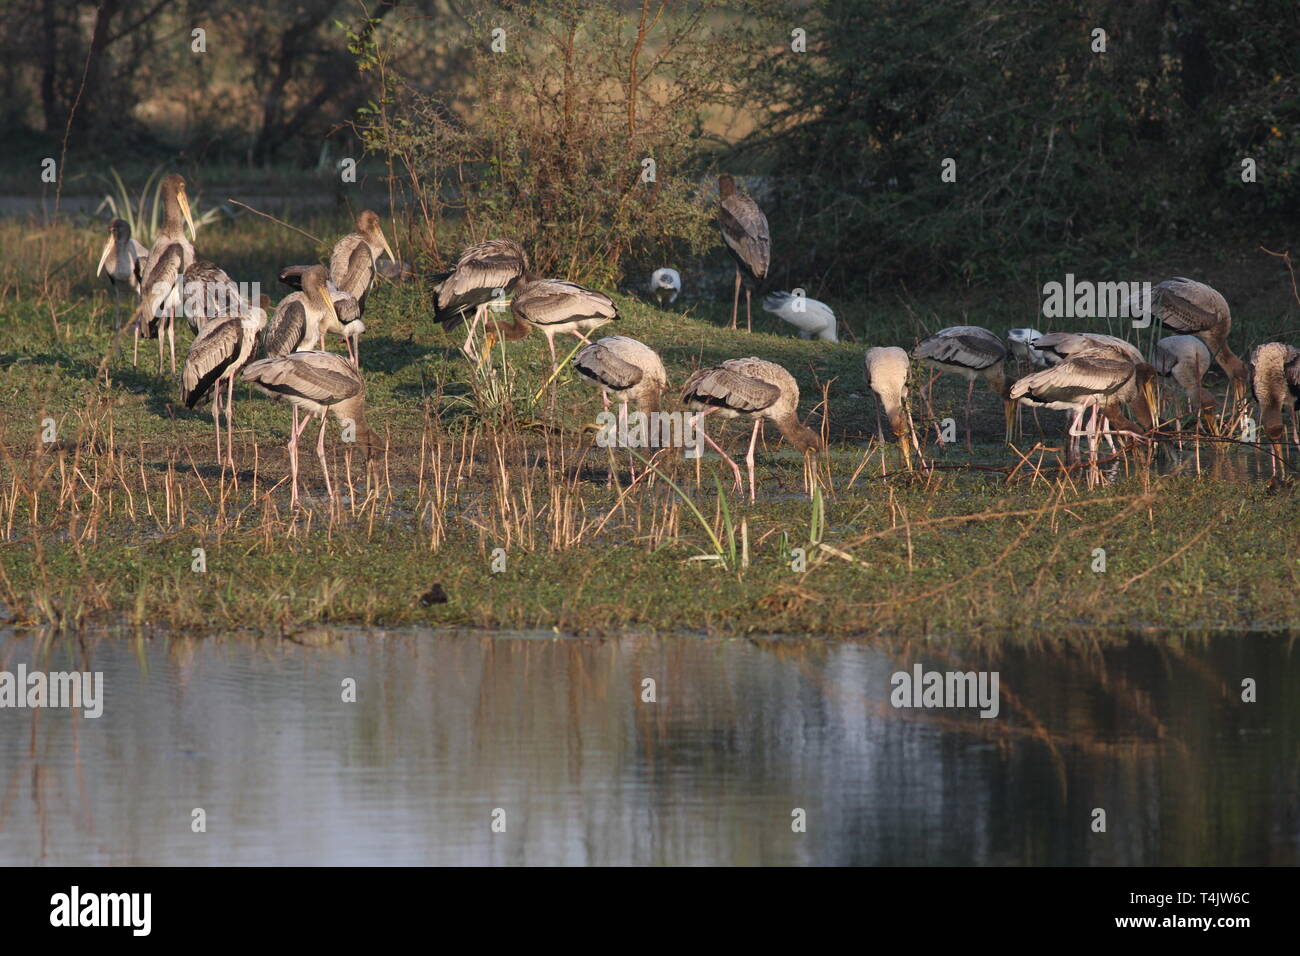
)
(448, 728)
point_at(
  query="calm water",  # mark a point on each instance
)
(447, 728)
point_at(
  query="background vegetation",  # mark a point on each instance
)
(1066, 158)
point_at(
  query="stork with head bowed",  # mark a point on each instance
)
(665, 286)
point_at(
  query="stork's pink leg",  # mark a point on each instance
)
(749, 457)
(735, 299)
(320, 453)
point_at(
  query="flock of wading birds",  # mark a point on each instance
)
(1094, 377)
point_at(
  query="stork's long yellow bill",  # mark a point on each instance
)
(184, 202)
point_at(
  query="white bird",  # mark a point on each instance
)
(665, 285)
(810, 317)
(752, 387)
(318, 383)
(1056, 347)
(1184, 360)
(1275, 380)
(1023, 347)
(887, 371)
(218, 353)
(971, 352)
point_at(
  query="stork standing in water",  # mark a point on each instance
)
(553, 307)
(1275, 380)
(169, 259)
(354, 260)
(887, 371)
(1095, 381)
(752, 387)
(1184, 360)
(971, 352)
(665, 285)
(484, 272)
(318, 383)
(1191, 307)
(744, 229)
(629, 369)
(810, 317)
(126, 259)
(218, 353)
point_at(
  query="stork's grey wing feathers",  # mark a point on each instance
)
(604, 366)
(287, 329)
(211, 350)
(164, 268)
(745, 230)
(319, 376)
(965, 349)
(352, 267)
(553, 301)
(721, 386)
(483, 268)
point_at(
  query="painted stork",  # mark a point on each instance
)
(354, 258)
(1184, 360)
(218, 353)
(126, 258)
(1193, 308)
(553, 307)
(1275, 380)
(752, 387)
(318, 383)
(665, 285)
(210, 295)
(971, 352)
(744, 229)
(301, 319)
(1096, 380)
(169, 259)
(1056, 347)
(810, 317)
(484, 272)
(887, 371)
(630, 370)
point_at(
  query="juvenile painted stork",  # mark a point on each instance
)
(301, 318)
(318, 383)
(125, 257)
(218, 353)
(1023, 343)
(354, 258)
(630, 370)
(887, 370)
(210, 295)
(1191, 307)
(1275, 380)
(553, 307)
(345, 323)
(169, 259)
(665, 285)
(971, 352)
(752, 387)
(1184, 360)
(810, 317)
(484, 272)
(1095, 381)
(744, 229)
(1056, 347)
